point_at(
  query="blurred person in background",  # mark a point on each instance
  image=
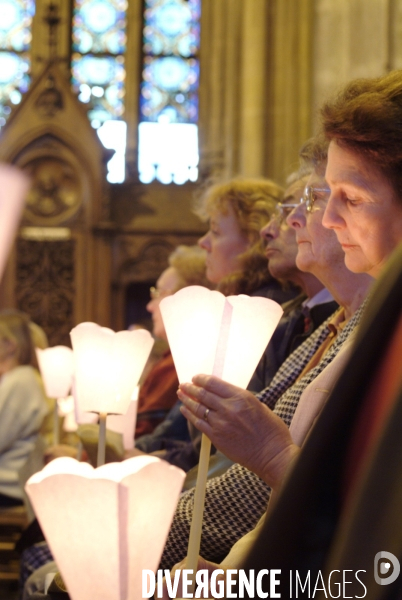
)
(23, 405)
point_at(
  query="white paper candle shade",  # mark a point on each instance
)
(211, 334)
(108, 366)
(80, 416)
(125, 424)
(100, 529)
(56, 365)
(220, 336)
(14, 186)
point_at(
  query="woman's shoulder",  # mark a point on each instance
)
(22, 375)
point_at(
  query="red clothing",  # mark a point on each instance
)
(157, 395)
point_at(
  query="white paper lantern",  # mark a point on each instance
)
(80, 416)
(211, 334)
(105, 525)
(220, 336)
(56, 365)
(125, 424)
(108, 366)
(14, 186)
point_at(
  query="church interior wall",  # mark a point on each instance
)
(266, 66)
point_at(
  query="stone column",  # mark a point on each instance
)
(255, 103)
(290, 79)
(351, 39)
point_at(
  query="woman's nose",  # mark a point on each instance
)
(204, 241)
(332, 219)
(297, 218)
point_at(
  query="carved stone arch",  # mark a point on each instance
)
(146, 266)
(60, 189)
(59, 270)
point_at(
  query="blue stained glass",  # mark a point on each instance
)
(170, 89)
(169, 73)
(173, 18)
(14, 81)
(94, 70)
(99, 16)
(9, 67)
(11, 15)
(99, 43)
(15, 24)
(168, 134)
(15, 39)
(99, 26)
(100, 82)
(172, 27)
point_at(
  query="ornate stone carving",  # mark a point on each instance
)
(147, 266)
(50, 100)
(55, 191)
(45, 286)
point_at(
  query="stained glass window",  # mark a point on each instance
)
(98, 71)
(15, 40)
(168, 133)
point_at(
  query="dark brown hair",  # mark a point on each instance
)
(313, 154)
(366, 117)
(189, 262)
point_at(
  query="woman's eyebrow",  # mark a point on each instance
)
(354, 179)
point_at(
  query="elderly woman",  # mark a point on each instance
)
(237, 423)
(364, 208)
(243, 426)
(348, 477)
(236, 261)
(22, 402)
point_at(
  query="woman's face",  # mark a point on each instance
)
(166, 285)
(223, 243)
(318, 248)
(362, 210)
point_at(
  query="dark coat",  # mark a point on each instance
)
(308, 529)
(289, 334)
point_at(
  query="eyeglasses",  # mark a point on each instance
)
(155, 294)
(282, 211)
(311, 194)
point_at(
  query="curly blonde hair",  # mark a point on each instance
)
(252, 201)
(189, 262)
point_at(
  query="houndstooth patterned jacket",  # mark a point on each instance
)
(235, 501)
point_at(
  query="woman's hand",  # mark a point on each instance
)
(239, 425)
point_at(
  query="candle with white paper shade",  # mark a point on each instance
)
(101, 531)
(108, 366)
(56, 365)
(220, 336)
(80, 417)
(14, 186)
(211, 334)
(125, 424)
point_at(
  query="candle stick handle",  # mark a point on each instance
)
(56, 437)
(79, 451)
(198, 510)
(102, 439)
(194, 541)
